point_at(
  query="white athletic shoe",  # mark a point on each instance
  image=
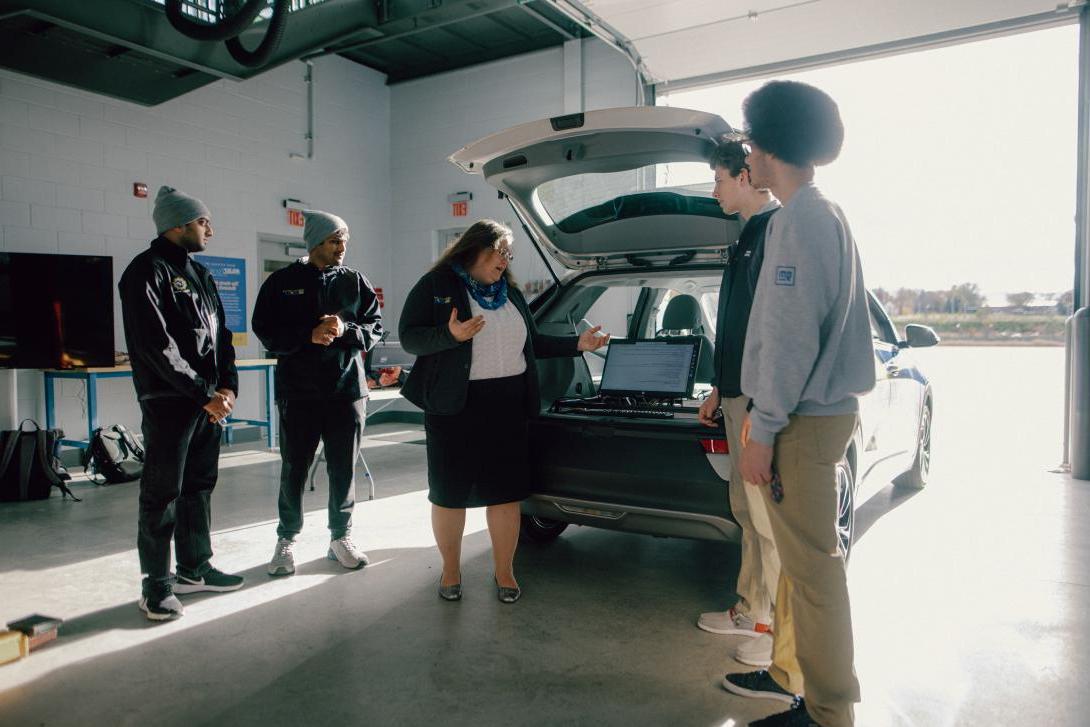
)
(283, 560)
(755, 652)
(347, 553)
(732, 623)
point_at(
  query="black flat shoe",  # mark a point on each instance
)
(450, 593)
(507, 595)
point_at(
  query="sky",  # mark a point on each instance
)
(958, 163)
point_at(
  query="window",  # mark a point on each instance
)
(580, 201)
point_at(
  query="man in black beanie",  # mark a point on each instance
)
(319, 318)
(183, 366)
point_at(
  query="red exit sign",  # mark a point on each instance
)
(295, 218)
(459, 209)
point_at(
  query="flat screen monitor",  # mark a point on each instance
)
(661, 367)
(56, 311)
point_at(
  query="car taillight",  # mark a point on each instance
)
(714, 446)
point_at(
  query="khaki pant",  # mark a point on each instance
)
(759, 573)
(813, 632)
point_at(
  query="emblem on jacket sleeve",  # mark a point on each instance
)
(293, 291)
(180, 284)
(785, 275)
(442, 301)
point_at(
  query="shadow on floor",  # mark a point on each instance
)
(881, 503)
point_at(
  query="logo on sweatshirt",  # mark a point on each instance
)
(785, 275)
(293, 291)
(179, 284)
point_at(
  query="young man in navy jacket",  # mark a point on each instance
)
(319, 318)
(751, 616)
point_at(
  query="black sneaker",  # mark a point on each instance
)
(163, 608)
(759, 684)
(797, 716)
(213, 580)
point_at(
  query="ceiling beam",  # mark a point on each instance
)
(428, 18)
(540, 17)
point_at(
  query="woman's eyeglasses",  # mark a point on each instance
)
(504, 252)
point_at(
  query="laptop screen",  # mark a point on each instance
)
(663, 367)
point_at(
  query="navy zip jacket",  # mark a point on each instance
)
(291, 303)
(736, 293)
(440, 377)
(178, 342)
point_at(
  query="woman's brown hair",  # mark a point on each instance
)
(482, 236)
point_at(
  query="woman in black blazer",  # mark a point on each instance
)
(476, 380)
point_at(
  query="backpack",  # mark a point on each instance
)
(114, 455)
(27, 464)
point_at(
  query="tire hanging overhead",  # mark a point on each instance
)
(230, 28)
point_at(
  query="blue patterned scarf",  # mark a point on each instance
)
(489, 297)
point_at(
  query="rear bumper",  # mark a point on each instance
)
(633, 519)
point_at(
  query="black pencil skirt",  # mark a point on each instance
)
(480, 455)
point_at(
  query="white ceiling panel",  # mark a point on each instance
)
(683, 39)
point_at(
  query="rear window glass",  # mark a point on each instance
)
(581, 201)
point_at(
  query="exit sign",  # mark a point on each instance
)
(459, 209)
(295, 218)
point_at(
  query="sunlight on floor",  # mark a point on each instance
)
(389, 524)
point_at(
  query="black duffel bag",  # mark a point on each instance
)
(26, 464)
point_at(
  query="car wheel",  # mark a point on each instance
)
(845, 521)
(540, 530)
(916, 478)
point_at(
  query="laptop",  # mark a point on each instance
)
(662, 368)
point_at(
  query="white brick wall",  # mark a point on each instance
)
(434, 117)
(68, 160)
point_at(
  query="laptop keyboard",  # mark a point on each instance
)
(625, 412)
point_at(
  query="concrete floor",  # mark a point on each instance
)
(971, 599)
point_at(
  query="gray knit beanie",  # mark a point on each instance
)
(320, 225)
(174, 208)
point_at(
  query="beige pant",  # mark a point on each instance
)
(759, 574)
(813, 632)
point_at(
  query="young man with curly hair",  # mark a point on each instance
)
(808, 358)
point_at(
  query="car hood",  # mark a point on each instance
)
(599, 189)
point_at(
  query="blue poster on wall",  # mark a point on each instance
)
(230, 276)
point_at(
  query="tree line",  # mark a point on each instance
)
(963, 298)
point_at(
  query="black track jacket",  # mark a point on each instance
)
(291, 303)
(178, 341)
(736, 293)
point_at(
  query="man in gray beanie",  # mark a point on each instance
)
(183, 367)
(319, 318)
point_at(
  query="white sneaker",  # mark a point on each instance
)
(347, 553)
(731, 623)
(283, 560)
(755, 652)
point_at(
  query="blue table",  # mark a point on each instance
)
(92, 375)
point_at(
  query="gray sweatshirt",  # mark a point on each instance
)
(808, 345)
